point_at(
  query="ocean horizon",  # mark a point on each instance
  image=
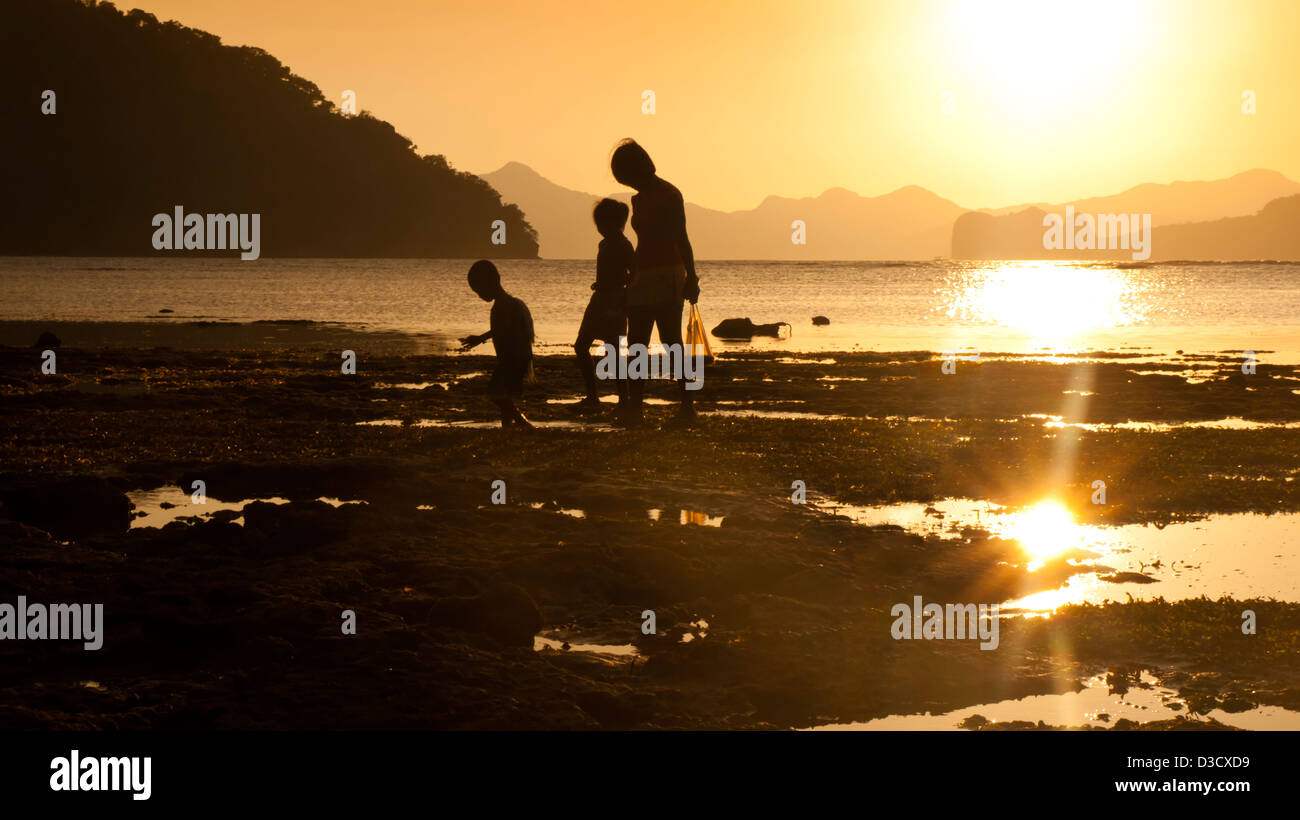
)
(1017, 307)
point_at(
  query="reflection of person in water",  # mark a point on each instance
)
(665, 264)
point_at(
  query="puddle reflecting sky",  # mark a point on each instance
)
(685, 517)
(1244, 555)
(180, 504)
(1094, 705)
(541, 643)
(1230, 423)
(490, 425)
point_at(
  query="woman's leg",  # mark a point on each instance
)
(668, 316)
(640, 321)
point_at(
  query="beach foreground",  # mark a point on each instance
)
(374, 493)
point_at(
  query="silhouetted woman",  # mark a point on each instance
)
(665, 265)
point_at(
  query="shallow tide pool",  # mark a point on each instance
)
(1242, 555)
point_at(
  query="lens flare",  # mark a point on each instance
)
(1045, 530)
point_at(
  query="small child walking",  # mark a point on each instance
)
(511, 332)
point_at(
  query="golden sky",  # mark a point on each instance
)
(1047, 100)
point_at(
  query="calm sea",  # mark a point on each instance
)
(1017, 307)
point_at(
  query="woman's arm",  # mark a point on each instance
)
(677, 217)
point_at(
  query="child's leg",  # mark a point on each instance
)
(514, 373)
(586, 364)
(506, 407)
(618, 330)
(516, 417)
(498, 391)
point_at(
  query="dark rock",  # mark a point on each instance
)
(70, 507)
(292, 528)
(166, 310)
(269, 649)
(1235, 703)
(503, 612)
(1128, 578)
(47, 340)
(413, 610)
(614, 711)
(12, 530)
(745, 329)
(821, 320)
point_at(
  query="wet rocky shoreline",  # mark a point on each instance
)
(231, 618)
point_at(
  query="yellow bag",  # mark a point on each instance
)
(696, 337)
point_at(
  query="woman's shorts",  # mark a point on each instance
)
(658, 285)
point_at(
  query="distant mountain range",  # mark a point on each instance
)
(910, 223)
(914, 223)
(1241, 217)
(1243, 193)
(1273, 233)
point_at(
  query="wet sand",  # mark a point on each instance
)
(769, 613)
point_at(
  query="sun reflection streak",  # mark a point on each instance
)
(1050, 302)
(1045, 530)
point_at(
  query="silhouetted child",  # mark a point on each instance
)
(512, 336)
(606, 315)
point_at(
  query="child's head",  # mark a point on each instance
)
(610, 216)
(631, 164)
(485, 280)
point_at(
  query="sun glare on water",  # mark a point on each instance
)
(1050, 303)
(1045, 530)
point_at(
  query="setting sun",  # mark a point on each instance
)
(1036, 58)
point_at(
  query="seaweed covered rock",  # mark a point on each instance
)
(503, 612)
(746, 329)
(47, 341)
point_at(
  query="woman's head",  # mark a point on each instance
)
(631, 164)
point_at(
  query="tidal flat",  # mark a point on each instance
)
(373, 493)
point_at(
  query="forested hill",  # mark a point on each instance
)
(149, 116)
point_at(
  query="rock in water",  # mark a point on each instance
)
(734, 329)
(288, 529)
(745, 329)
(503, 612)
